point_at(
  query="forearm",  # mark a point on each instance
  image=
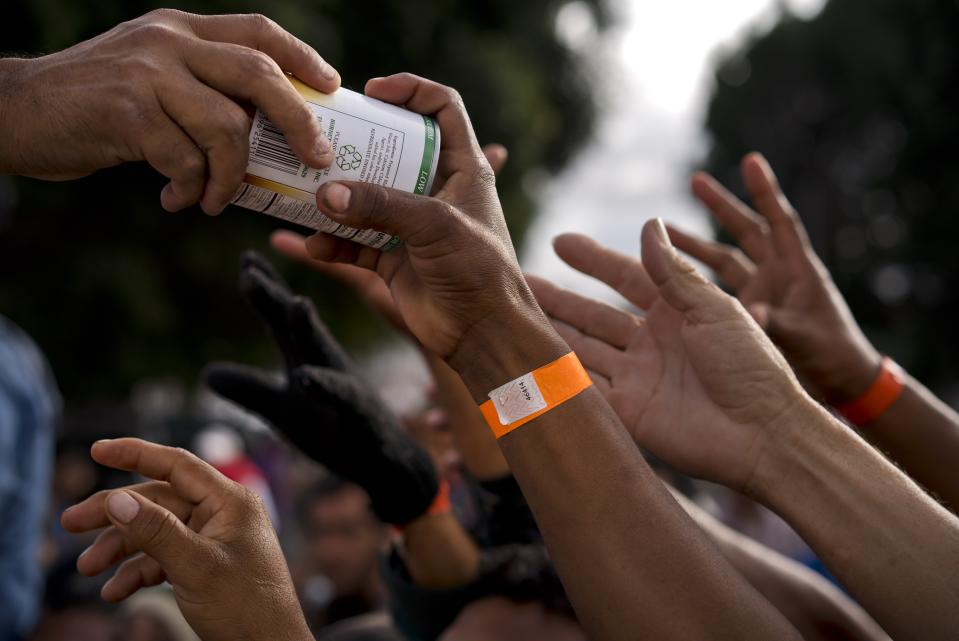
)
(815, 607)
(921, 433)
(476, 444)
(594, 497)
(10, 71)
(439, 553)
(887, 541)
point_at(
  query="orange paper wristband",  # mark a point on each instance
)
(874, 402)
(441, 505)
(529, 396)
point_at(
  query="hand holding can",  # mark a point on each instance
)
(372, 141)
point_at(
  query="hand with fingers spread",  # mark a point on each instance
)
(778, 277)
(695, 380)
(787, 289)
(458, 289)
(209, 537)
(323, 406)
(174, 96)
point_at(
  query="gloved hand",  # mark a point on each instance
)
(323, 406)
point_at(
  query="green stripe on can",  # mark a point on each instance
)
(429, 147)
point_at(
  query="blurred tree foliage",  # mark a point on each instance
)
(857, 111)
(114, 289)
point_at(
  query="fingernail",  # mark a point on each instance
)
(103, 440)
(336, 196)
(327, 71)
(123, 507)
(84, 553)
(661, 232)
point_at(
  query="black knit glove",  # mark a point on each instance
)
(323, 407)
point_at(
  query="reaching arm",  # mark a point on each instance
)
(190, 526)
(439, 553)
(785, 286)
(698, 384)
(457, 285)
(818, 610)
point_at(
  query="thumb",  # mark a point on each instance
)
(678, 282)
(416, 220)
(155, 531)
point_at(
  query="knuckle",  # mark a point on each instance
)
(130, 109)
(260, 66)
(182, 453)
(377, 204)
(233, 128)
(251, 501)
(455, 98)
(259, 23)
(483, 177)
(153, 32)
(160, 14)
(192, 163)
(728, 261)
(156, 529)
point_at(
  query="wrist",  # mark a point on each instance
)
(793, 450)
(852, 374)
(504, 346)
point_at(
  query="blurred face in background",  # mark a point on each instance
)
(344, 540)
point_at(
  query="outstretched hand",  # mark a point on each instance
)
(322, 404)
(778, 277)
(694, 380)
(209, 537)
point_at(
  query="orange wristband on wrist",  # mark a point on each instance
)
(441, 505)
(523, 399)
(874, 402)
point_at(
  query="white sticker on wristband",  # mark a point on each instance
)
(517, 399)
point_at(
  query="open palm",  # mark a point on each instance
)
(779, 279)
(694, 379)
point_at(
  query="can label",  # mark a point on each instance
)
(372, 142)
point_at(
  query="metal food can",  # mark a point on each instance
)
(372, 141)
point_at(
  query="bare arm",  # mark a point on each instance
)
(885, 539)
(457, 284)
(578, 469)
(792, 296)
(888, 542)
(439, 553)
(920, 433)
(818, 610)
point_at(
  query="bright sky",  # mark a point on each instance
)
(656, 65)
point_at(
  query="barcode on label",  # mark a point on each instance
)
(272, 150)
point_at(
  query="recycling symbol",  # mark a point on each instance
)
(348, 158)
